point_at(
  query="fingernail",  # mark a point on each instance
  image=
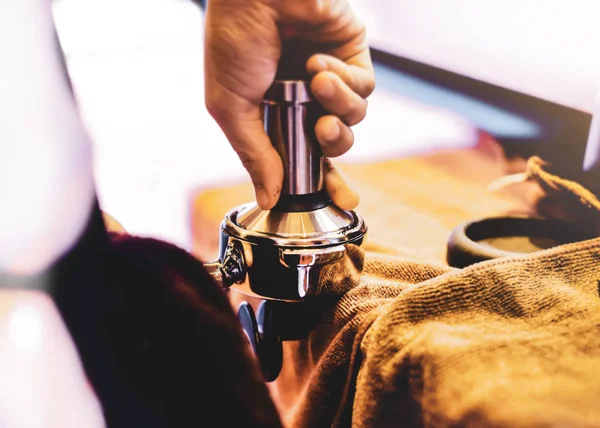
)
(326, 90)
(262, 198)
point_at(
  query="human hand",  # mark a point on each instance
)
(243, 45)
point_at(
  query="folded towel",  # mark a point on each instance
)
(512, 342)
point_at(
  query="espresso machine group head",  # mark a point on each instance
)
(278, 262)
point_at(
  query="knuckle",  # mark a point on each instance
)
(340, 146)
(254, 158)
(312, 11)
(368, 86)
(216, 108)
(357, 113)
(348, 141)
(348, 107)
(351, 79)
(333, 149)
(361, 28)
(246, 156)
(320, 9)
(248, 162)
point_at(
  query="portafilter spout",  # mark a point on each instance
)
(274, 262)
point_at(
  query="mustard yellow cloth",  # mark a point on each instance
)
(505, 343)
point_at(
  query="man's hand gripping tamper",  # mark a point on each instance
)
(288, 263)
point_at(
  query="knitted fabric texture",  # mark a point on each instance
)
(512, 342)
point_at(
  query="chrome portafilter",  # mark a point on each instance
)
(278, 265)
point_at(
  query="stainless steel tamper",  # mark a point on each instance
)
(278, 263)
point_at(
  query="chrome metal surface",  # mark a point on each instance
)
(319, 223)
(288, 91)
(288, 274)
(214, 269)
(289, 256)
(231, 266)
(289, 117)
(323, 227)
(306, 260)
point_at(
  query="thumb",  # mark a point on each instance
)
(339, 188)
(253, 146)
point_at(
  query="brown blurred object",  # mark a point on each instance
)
(410, 204)
(560, 197)
(112, 225)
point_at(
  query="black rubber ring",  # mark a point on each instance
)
(464, 248)
(302, 203)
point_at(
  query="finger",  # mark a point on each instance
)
(262, 162)
(337, 98)
(246, 134)
(359, 76)
(335, 138)
(339, 189)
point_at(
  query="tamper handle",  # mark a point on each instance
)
(290, 114)
(294, 56)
